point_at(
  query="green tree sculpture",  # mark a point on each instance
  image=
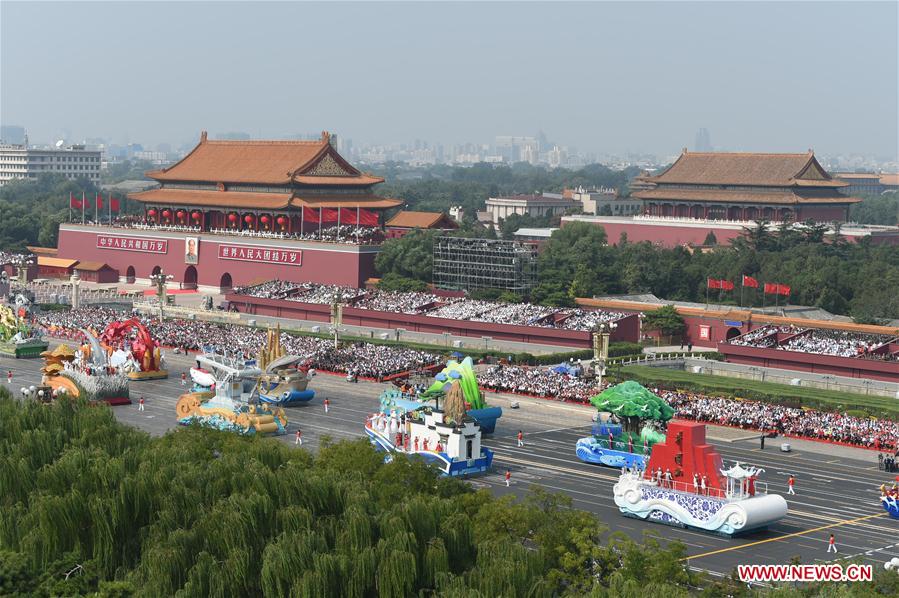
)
(632, 404)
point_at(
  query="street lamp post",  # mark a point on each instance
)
(159, 280)
(336, 316)
(22, 263)
(601, 334)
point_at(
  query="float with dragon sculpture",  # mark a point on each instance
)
(139, 357)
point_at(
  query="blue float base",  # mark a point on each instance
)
(296, 396)
(588, 451)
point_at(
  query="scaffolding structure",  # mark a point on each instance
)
(462, 264)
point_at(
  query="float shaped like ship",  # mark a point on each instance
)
(447, 439)
(686, 486)
(231, 401)
(281, 382)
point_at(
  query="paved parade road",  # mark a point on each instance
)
(836, 488)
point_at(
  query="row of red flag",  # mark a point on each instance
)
(85, 203)
(770, 288)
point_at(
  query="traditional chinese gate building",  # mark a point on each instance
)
(240, 212)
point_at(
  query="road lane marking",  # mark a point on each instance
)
(784, 537)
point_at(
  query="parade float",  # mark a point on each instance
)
(889, 498)
(86, 372)
(17, 338)
(640, 415)
(281, 382)
(685, 485)
(231, 402)
(476, 407)
(448, 439)
(140, 357)
(56, 362)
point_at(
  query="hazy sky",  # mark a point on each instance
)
(606, 77)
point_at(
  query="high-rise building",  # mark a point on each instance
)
(22, 162)
(12, 134)
(703, 141)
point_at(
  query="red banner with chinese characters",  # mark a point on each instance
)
(141, 244)
(263, 255)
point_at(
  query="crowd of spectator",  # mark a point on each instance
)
(7, 257)
(404, 303)
(428, 304)
(765, 336)
(369, 360)
(882, 434)
(839, 343)
(362, 235)
(805, 423)
(582, 319)
(541, 382)
(360, 359)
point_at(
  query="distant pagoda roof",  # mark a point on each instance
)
(264, 175)
(265, 163)
(752, 169)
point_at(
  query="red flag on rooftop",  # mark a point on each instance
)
(74, 203)
(770, 288)
(727, 285)
(114, 204)
(99, 201)
(749, 281)
(783, 289)
(713, 283)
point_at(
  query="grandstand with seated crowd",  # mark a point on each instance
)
(426, 312)
(844, 351)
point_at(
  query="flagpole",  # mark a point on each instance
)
(71, 197)
(96, 209)
(707, 293)
(109, 199)
(82, 207)
(742, 286)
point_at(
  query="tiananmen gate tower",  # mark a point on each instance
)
(240, 212)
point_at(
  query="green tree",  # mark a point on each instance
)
(632, 404)
(410, 256)
(665, 319)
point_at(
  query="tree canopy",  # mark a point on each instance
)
(633, 403)
(666, 320)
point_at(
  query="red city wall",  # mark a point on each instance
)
(851, 367)
(325, 263)
(628, 328)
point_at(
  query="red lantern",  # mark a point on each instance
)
(195, 215)
(151, 212)
(248, 219)
(264, 219)
(232, 217)
(282, 220)
(166, 213)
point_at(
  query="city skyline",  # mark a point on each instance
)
(644, 83)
